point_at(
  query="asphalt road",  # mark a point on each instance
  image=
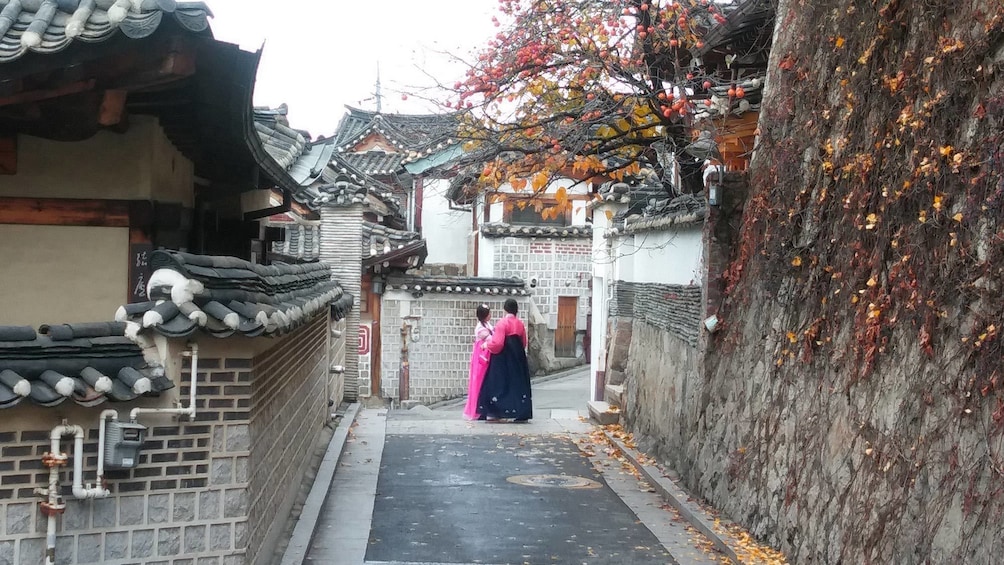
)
(501, 499)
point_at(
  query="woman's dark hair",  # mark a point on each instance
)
(483, 312)
(511, 306)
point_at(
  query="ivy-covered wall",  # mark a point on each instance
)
(852, 408)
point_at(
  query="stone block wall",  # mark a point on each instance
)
(561, 267)
(336, 356)
(290, 406)
(440, 357)
(187, 498)
(653, 351)
(196, 495)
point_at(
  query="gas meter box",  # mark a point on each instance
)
(122, 443)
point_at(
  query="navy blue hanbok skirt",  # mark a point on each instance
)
(505, 392)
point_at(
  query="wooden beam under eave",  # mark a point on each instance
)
(64, 212)
(112, 107)
(173, 67)
(48, 93)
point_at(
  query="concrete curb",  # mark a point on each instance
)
(677, 498)
(306, 524)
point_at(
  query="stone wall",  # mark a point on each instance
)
(290, 391)
(187, 498)
(440, 356)
(674, 308)
(560, 267)
(654, 331)
(204, 492)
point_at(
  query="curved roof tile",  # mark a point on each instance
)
(88, 363)
(224, 296)
(49, 26)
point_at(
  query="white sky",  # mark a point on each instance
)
(320, 55)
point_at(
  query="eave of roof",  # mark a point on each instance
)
(88, 363)
(225, 296)
(459, 285)
(54, 26)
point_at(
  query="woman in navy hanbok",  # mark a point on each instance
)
(505, 391)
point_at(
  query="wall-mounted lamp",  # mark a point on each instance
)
(377, 285)
(533, 283)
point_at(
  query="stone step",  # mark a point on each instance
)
(603, 412)
(614, 394)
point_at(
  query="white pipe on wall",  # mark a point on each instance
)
(190, 411)
(56, 459)
(101, 443)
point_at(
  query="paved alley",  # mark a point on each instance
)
(426, 487)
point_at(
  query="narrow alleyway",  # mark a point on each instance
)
(426, 487)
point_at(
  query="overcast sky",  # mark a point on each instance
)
(320, 55)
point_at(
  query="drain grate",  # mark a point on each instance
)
(553, 481)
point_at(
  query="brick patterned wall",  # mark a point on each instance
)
(336, 353)
(440, 359)
(341, 247)
(562, 267)
(289, 406)
(673, 308)
(187, 499)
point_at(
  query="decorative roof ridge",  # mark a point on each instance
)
(459, 285)
(499, 229)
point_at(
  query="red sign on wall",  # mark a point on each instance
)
(364, 340)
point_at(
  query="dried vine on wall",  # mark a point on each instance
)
(876, 222)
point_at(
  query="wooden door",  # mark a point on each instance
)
(564, 335)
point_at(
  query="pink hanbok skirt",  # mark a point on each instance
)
(479, 364)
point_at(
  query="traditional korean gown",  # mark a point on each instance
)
(505, 391)
(479, 364)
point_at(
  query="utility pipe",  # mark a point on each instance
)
(54, 460)
(190, 411)
(101, 444)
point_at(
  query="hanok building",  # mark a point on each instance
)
(510, 237)
(360, 232)
(181, 431)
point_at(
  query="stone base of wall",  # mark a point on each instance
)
(662, 378)
(540, 351)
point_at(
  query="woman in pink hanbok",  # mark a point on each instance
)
(479, 362)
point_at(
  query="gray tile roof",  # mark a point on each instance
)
(662, 213)
(384, 244)
(224, 296)
(378, 239)
(49, 26)
(375, 162)
(293, 150)
(415, 135)
(459, 285)
(506, 230)
(88, 363)
(344, 185)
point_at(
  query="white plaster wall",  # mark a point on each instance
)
(140, 164)
(57, 274)
(486, 256)
(444, 230)
(578, 206)
(666, 257)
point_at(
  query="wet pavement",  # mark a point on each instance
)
(424, 486)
